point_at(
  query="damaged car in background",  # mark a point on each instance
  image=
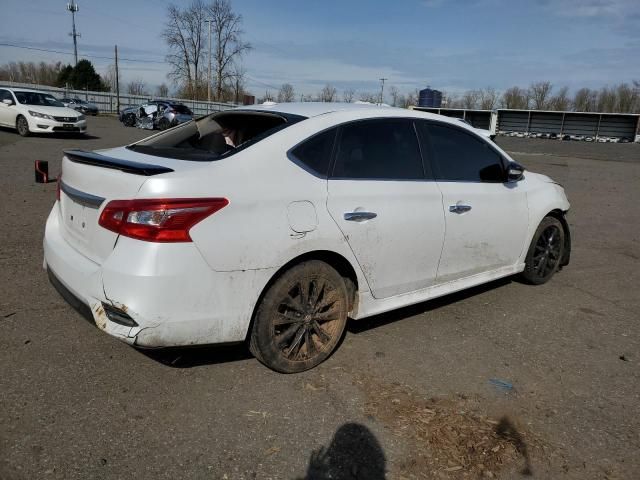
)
(156, 114)
(274, 224)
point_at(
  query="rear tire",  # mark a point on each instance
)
(22, 125)
(129, 120)
(545, 252)
(163, 124)
(301, 318)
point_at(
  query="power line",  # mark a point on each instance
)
(24, 47)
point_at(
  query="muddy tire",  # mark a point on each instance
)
(300, 318)
(545, 252)
(22, 126)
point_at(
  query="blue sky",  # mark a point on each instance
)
(453, 45)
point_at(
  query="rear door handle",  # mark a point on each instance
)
(459, 208)
(359, 216)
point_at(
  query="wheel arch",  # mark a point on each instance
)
(561, 217)
(333, 259)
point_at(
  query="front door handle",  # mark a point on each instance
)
(459, 208)
(359, 216)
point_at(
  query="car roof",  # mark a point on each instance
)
(314, 109)
(27, 90)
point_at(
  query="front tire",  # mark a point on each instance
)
(22, 125)
(545, 253)
(301, 318)
(129, 120)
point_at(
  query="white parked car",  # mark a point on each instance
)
(273, 224)
(31, 111)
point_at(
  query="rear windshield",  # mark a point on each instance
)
(215, 136)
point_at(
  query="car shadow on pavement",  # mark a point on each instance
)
(197, 356)
(354, 452)
(358, 326)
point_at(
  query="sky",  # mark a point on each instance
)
(452, 45)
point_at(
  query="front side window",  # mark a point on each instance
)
(378, 149)
(459, 156)
(5, 95)
(315, 153)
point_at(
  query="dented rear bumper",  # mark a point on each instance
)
(156, 295)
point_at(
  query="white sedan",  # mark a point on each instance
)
(274, 224)
(31, 111)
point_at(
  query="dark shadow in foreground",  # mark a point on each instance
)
(506, 430)
(354, 452)
(188, 357)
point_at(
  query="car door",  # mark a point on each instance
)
(8, 113)
(387, 207)
(486, 218)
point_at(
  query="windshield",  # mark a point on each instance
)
(35, 98)
(77, 100)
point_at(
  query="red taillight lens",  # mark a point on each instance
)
(158, 220)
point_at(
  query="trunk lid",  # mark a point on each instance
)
(92, 179)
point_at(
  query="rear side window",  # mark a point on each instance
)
(315, 153)
(458, 156)
(378, 149)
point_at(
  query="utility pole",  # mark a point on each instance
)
(382, 80)
(73, 8)
(209, 82)
(117, 84)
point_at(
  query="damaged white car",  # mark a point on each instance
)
(274, 224)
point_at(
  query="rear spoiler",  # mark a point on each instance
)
(136, 168)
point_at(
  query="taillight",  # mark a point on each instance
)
(58, 180)
(158, 220)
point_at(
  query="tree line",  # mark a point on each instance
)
(620, 98)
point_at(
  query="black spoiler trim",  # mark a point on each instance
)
(92, 158)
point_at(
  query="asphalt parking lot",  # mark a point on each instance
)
(503, 381)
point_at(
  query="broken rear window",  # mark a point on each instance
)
(216, 136)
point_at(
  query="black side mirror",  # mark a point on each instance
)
(515, 172)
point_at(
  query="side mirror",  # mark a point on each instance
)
(515, 172)
(8, 102)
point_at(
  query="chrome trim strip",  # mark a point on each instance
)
(83, 198)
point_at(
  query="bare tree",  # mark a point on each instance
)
(286, 93)
(488, 98)
(369, 97)
(348, 94)
(412, 99)
(30, 72)
(268, 97)
(184, 35)
(227, 35)
(584, 100)
(394, 93)
(540, 93)
(136, 87)
(560, 101)
(109, 78)
(515, 98)
(328, 94)
(163, 90)
(470, 99)
(606, 100)
(627, 98)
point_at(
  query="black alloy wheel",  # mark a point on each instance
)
(545, 252)
(301, 318)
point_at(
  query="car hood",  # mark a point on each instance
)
(53, 111)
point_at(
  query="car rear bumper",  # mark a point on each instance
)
(168, 290)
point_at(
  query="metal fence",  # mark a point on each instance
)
(577, 124)
(107, 101)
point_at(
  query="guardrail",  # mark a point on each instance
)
(107, 101)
